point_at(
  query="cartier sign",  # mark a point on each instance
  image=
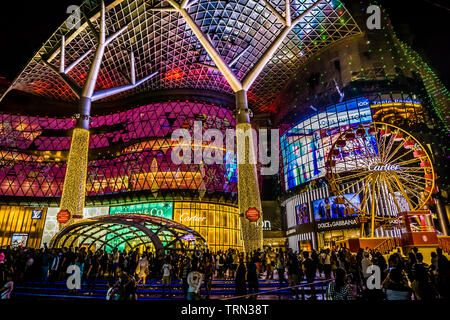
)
(386, 167)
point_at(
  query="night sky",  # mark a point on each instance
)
(26, 25)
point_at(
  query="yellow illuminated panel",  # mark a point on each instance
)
(216, 223)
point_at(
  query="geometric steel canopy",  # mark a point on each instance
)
(133, 230)
(240, 30)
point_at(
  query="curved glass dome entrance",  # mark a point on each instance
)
(128, 232)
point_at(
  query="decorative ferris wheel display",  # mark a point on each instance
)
(378, 171)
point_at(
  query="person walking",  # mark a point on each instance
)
(194, 280)
(142, 270)
(166, 271)
(240, 280)
(281, 269)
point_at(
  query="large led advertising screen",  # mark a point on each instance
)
(326, 209)
(302, 214)
(305, 147)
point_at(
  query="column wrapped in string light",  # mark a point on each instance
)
(248, 187)
(74, 189)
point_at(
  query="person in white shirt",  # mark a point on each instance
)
(166, 269)
(194, 280)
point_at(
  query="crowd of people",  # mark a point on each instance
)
(346, 274)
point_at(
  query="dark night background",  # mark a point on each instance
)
(26, 25)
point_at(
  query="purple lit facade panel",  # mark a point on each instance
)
(143, 163)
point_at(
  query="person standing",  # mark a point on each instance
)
(396, 285)
(185, 269)
(45, 266)
(252, 276)
(327, 264)
(92, 273)
(293, 270)
(443, 274)
(194, 280)
(54, 269)
(309, 269)
(208, 271)
(281, 268)
(142, 270)
(115, 261)
(241, 272)
(7, 289)
(166, 271)
(269, 265)
(339, 288)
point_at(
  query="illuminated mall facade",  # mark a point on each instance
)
(327, 74)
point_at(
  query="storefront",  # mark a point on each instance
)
(217, 223)
(316, 216)
(315, 221)
(331, 233)
(21, 226)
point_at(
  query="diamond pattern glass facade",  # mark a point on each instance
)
(163, 42)
(130, 152)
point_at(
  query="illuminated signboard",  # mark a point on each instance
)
(328, 208)
(19, 240)
(157, 209)
(36, 214)
(305, 146)
(342, 223)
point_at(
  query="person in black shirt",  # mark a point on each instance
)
(240, 279)
(293, 272)
(92, 273)
(309, 268)
(252, 276)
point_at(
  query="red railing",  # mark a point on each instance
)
(388, 245)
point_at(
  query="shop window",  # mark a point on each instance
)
(226, 240)
(211, 218)
(211, 236)
(204, 217)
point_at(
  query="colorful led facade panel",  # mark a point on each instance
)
(305, 146)
(129, 151)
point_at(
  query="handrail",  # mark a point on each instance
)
(386, 246)
(278, 289)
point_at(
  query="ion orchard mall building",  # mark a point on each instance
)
(86, 127)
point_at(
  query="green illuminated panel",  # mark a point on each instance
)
(158, 209)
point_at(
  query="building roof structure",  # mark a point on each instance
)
(162, 42)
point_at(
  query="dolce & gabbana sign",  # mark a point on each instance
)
(343, 223)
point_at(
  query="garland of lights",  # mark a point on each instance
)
(76, 174)
(252, 232)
